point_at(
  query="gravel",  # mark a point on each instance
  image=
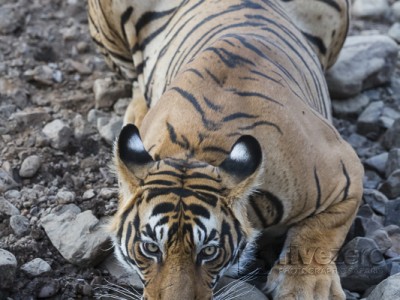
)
(61, 108)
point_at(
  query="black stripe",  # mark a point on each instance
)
(122, 223)
(192, 100)
(125, 18)
(238, 116)
(198, 175)
(127, 237)
(258, 212)
(276, 203)
(174, 138)
(261, 123)
(215, 149)
(170, 173)
(151, 16)
(230, 59)
(213, 77)
(266, 76)
(209, 199)
(204, 187)
(348, 182)
(316, 41)
(254, 94)
(318, 202)
(213, 106)
(163, 208)
(226, 232)
(199, 211)
(160, 182)
(195, 72)
(331, 3)
(249, 78)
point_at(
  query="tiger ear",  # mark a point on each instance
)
(243, 160)
(131, 151)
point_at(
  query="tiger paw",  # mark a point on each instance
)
(301, 282)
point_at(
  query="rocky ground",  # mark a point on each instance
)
(60, 108)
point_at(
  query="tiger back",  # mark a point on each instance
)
(228, 134)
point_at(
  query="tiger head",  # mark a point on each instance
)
(182, 222)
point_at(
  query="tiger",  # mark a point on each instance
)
(228, 135)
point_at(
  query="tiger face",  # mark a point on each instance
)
(181, 223)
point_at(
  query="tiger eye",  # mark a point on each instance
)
(151, 248)
(209, 250)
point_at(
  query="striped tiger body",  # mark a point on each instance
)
(235, 137)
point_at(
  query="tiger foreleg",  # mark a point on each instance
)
(136, 109)
(306, 269)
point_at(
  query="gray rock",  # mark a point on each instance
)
(350, 108)
(7, 110)
(7, 209)
(361, 264)
(371, 179)
(110, 131)
(366, 225)
(108, 193)
(89, 194)
(121, 105)
(393, 232)
(80, 67)
(382, 239)
(59, 134)
(32, 116)
(108, 91)
(393, 212)
(369, 122)
(114, 267)
(65, 197)
(6, 181)
(12, 194)
(237, 289)
(396, 10)
(377, 162)
(376, 200)
(389, 115)
(391, 187)
(49, 289)
(8, 267)
(82, 128)
(394, 32)
(372, 9)
(391, 139)
(36, 267)
(364, 62)
(393, 265)
(393, 162)
(357, 141)
(79, 237)
(11, 18)
(351, 295)
(389, 289)
(20, 225)
(94, 115)
(30, 166)
(42, 75)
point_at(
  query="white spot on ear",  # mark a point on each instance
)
(240, 153)
(136, 144)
